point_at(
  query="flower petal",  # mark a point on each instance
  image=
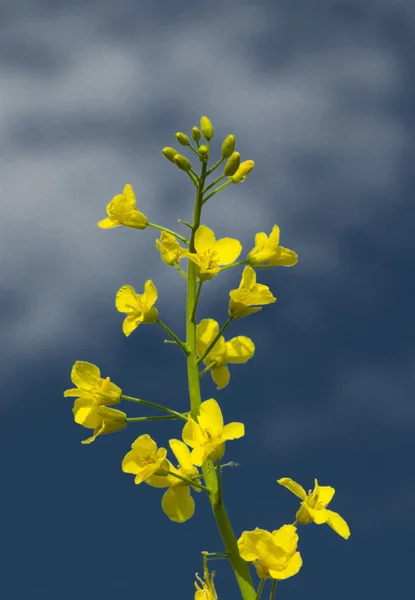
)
(239, 349)
(210, 417)
(85, 375)
(192, 434)
(227, 250)
(131, 323)
(248, 278)
(108, 223)
(129, 197)
(337, 523)
(284, 257)
(126, 299)
(206, 331)
(286, 537)
(294, 487)
(150, 294)
(204, 239)
(233, 431)
(178, 504)
(249, 541)
(220, 376)
(293, 566)
(182, 453)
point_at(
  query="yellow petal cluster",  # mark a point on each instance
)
(237, 350)
(211, 254)
(274, 554)
(268, 250)
(122, 211)
(249, 296)
(93, 393)
(177, 502)
(205, 589)
(207, 435)
(170, 249)
(138, 307)
(314, 506)
(145, 460)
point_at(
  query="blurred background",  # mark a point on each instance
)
(320, 94)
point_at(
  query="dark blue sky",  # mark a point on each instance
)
(321, 96)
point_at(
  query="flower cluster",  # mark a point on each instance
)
(198, 454)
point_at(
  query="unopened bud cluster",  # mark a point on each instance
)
(234, 169)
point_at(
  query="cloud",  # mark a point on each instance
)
(85, 112)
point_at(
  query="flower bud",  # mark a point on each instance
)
(244, 168)
(203, 151)
(196, 135)
(228, 146)
(207, 128)
(182, 138)
(233, 164)
(182, 162)
(169, 153)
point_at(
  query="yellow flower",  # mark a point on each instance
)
(177, 502)
(207, 435)
(99, 418)
(122, 211)
(245, 300)
(170, 249)
(144, 459)
(211, 254)
(313, 506)
(90, 385)
(237, 350)
(273, 553)
(139, 307)
(205, 590)
(268, 250)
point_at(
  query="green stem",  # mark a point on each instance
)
(177, 235)
(173, 336)
(198, 290)
(154, 405)
(182, 273)
(215, 166)
(259, 591)
(206, 369)
(219, 476)
(210, 186)
(184, 223)
(194, 177)
(240, 567)
(155, 418)
(237, 264)
(216, 191)
(274, 587)
(215, 339)
(194, 150)
(190, 482)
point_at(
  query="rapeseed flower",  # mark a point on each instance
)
(237, 350)
(245, 300)
(313, 506)
(139, 307)
(145, 460)
(99, 418)
(205, 589)
(274, 554)
(268, 250)
(90, 385)
(122, 211)
(177, 502)
(207, 435)
(211, 254)
(170, 249)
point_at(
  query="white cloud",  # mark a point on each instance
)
(53, 194)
